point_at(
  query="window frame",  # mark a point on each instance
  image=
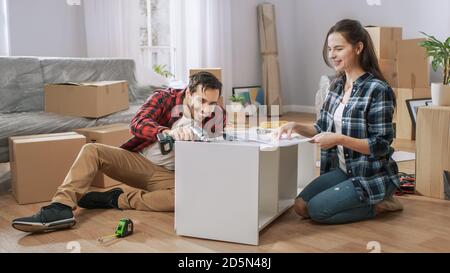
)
(147, 50)
(4, 25)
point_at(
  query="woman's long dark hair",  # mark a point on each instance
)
(354, 33)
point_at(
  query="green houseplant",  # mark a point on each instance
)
(440, 53)
(162, 70)
(237, 103)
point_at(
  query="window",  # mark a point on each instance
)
(156, 47)
(4, 37)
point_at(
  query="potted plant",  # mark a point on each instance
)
(440, 53)
(237, 103)
(161, 69)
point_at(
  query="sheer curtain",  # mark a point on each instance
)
(200, 33)
(202, 37)
(112, 31)
(4, 37)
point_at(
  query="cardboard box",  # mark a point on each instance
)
(114, 135)
(432, 150)
(413, 67)
(92, 100)
(215, 71)
(404, 125)
(39, 164)
(389, 69)
(385, 40)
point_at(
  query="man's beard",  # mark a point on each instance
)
(195, 115)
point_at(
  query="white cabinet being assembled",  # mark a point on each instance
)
(229, 191)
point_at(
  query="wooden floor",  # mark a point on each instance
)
(424, 226)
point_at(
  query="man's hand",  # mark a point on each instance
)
(327, 140)
(181, 133)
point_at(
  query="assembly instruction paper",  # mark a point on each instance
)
(266, 138)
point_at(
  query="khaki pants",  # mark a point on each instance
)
(153, 186)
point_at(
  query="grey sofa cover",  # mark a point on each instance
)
(22, 81)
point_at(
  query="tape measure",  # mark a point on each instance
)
(123, 229)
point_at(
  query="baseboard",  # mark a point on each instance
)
(299, 108)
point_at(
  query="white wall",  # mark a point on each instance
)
(302, 26)
(52, 28)
(46, 28)
(246, 51)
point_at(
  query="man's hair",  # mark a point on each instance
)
(206, 80)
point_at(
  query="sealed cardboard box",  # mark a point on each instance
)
(389, 69)
(39, 164)
(404, 125)
(215, 71)
(113, 135)
(413, 67)
(433, 151)
(91, 100)
(385, 40)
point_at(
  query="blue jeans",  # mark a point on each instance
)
(332, 199)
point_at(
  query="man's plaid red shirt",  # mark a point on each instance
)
(159, 113)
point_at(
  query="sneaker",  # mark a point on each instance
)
(52, 217)
(101, 200)
(390, 204)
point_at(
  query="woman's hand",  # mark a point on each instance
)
(288, 129)
(327, 140)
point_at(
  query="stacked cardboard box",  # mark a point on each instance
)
(91, 100)
(405, 66)
(405, 128)
(389, 69)
(413, 82)
(412, 64)
(39, 164)
(385, 44)
(113, 135)
(385, 41)
(433, 151)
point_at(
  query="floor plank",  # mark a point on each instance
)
(423, 226)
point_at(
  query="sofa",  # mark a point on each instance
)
(22, 81)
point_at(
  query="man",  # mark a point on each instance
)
(139, 162)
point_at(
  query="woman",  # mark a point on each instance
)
(358, 176)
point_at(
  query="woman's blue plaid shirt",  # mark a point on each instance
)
(367, 115)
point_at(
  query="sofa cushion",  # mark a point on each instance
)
(21, 85)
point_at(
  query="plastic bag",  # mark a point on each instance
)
(322, 93)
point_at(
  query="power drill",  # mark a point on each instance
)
(165, 143)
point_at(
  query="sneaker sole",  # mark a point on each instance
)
(40, 227)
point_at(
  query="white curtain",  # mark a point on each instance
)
(200, 33)
(4, 39)
(112, 31)
(202, 37)
(109, 28)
